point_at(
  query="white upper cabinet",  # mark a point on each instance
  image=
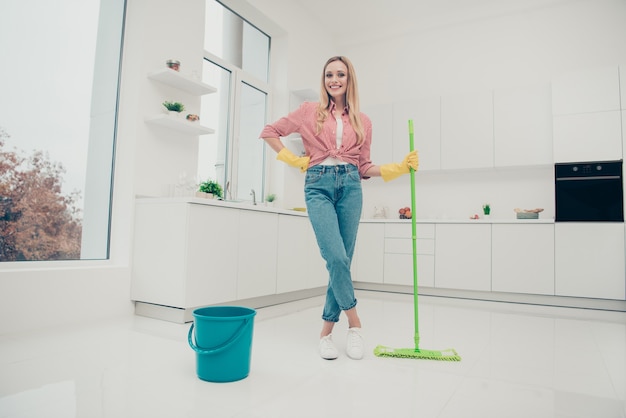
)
(624, 134)
(584, 91)
(467, 131)
(587, 122)
(523, 126)
(593, 136)
(426, 116)
(622, 84)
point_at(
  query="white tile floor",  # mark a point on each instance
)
(518, 361)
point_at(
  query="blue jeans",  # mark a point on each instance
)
(334, 200)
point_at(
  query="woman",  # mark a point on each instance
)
(337, 139)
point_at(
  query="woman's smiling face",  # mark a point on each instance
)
(336, 80)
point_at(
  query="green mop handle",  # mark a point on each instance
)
(414, 239)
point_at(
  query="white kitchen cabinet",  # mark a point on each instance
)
(463, 256)
(398, 262)
(317, 273)
(188, 255)
(399, 269)
(585, 91)
(522, 258)
(589, 260)
(426, 116)
(184, 255)
(467, 131)
(624, 133)
(588, 137)
(211, 256)
(292, 255)
(369, 257)
(587, 122)
(622, 84)
(257, 249)
(522, 126)
(158, 278)
(299, 263)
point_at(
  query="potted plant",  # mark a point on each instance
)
(486, 210)
(209, 189)
(174, 107)
(270, 199)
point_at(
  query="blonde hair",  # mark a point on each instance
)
(352, 99)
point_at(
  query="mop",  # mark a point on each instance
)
(415, 353)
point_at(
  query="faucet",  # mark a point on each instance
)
(227, 193)
(253, 194)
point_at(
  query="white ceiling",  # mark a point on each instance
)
(350, 21)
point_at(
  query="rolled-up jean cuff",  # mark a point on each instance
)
(336, 319)
(352, 306)
(330, 319)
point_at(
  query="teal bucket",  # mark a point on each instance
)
(223, 342)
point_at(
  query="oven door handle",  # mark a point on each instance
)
(589, 178)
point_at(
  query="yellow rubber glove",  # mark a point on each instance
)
(290, 158)
(394, 170)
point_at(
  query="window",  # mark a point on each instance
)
(237, 63)
(213, 149)
(57, 130)
(251, 150)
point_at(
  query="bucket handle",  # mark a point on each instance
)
(219, 348)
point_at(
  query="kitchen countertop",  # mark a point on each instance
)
(463, 221)
(246, 205)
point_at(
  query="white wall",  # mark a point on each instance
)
(162, 30)
(32, 297)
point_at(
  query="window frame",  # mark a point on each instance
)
(238, 77)
(97, 223)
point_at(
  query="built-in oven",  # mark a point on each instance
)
(589, 192)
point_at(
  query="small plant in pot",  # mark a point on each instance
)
(486, 210)
(209, 189)
(174, 107)
(270, 199)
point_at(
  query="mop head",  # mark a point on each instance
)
(414, 353)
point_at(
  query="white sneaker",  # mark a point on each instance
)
(328, 351)
(354, 344)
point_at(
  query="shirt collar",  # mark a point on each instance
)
(346, 109)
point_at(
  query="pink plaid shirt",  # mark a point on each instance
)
(319, 147)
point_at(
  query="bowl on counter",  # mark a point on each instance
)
(527, 215)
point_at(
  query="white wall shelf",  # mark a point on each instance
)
(181, 82)
(179, 124)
